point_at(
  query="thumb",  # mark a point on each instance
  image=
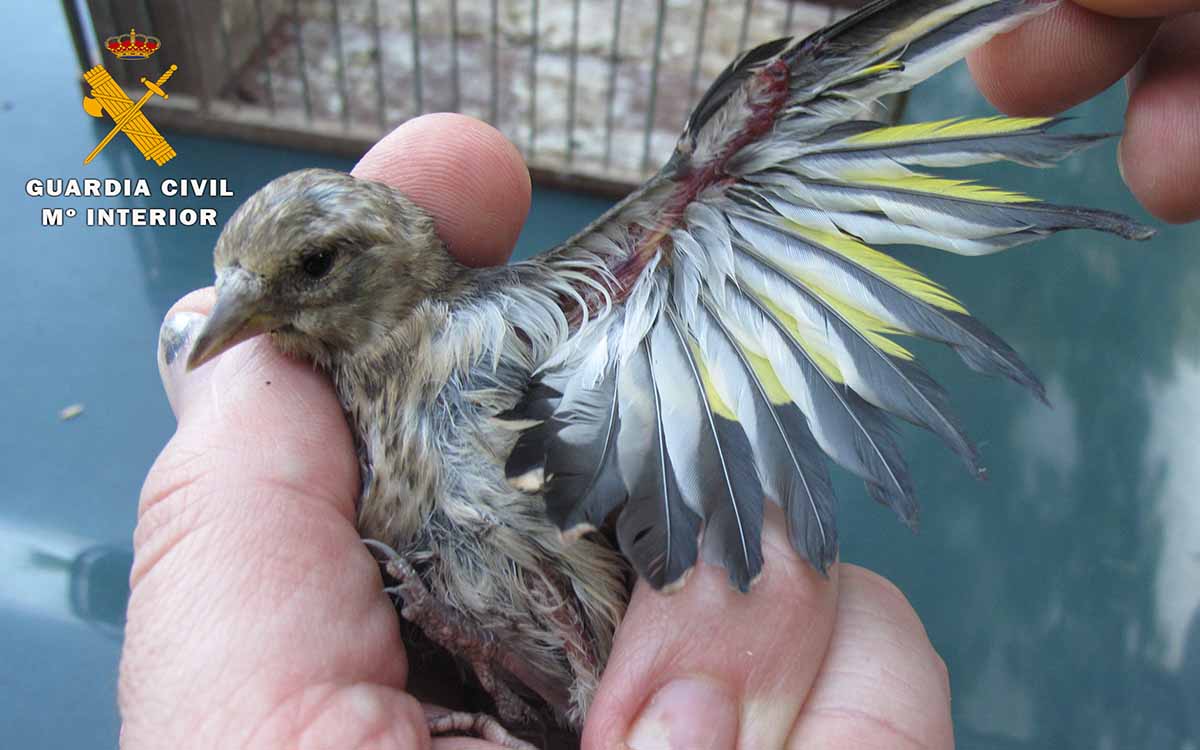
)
(256, 617)
(254, 401)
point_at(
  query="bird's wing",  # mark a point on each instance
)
(732, 323)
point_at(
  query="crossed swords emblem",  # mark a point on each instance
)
(128, 118)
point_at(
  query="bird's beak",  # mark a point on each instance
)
(236, 317)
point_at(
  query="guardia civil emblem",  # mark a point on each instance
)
(108, 97)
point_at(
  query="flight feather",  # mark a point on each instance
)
(736, 324)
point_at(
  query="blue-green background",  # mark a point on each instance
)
(1063, 592)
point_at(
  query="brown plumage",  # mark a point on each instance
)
(351, 274)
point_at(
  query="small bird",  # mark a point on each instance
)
(628, 400)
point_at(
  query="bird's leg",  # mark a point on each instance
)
(444, 721)
(508, 704)
(447, 630)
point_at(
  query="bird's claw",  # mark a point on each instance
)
(409, 586)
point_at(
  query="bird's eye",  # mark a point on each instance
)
(318, 264)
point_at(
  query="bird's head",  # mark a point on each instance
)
(324, 262)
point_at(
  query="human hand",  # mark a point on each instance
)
(257, 617)
(1081, 48)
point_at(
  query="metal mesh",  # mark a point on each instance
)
(594, 92)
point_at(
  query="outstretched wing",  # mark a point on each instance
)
(732, 324)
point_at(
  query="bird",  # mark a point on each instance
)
(535, 437)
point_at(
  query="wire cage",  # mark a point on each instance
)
(594, 92)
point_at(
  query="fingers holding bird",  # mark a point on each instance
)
(710, 667)
(1059, 60)
(1081, 48)
(1140, 8)
(1160, 151)
(882, 685)
(248, 571)
(468, 176)
(252, 503)
(802, 662)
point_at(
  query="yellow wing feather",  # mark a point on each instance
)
(901, 275)
(775, 391)
(945, 187)
(827, 365)
(715, 402)
(955, 127)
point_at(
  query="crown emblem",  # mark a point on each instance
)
(133, 46)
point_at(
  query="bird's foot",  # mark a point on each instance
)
(444, 721)
(448, 630)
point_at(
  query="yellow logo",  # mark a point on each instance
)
(108, 96)
(128, 118)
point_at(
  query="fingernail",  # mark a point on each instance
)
(691, 713)
(174, 342)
